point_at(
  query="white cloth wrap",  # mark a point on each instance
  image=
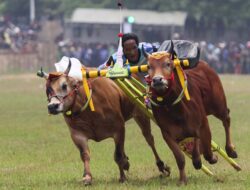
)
(75, 70)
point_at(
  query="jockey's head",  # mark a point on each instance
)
(130, 44)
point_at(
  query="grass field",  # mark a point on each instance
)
(36, 151)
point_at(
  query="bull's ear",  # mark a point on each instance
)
(146, 54)
(66, 72)
(42, 74)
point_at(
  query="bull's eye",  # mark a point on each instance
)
(166, 65)
(151, 68)
(64, 87)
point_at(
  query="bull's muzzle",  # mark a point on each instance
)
(157, 81)
(53, 108)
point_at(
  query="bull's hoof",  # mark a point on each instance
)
(126, 166)
(197, 164)
(182, 182)
(122, 179)
(231, 152)
(165, 169)
(213, 160)
(87, 180)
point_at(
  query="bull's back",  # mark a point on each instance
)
(113, 98)
(210, 87)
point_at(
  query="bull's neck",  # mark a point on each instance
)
(79, 105)
(176, 87)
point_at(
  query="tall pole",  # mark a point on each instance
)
(119, 60)
(32, 11)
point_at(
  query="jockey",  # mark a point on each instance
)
(132, 51)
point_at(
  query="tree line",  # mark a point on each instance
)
(230, 14)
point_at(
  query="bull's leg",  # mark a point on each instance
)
(196, 159)
(120, 158)
(205, 137)
(82, 144)
(179, 157)
(144, 124)
(229, 145)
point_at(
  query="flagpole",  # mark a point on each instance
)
(32, 11)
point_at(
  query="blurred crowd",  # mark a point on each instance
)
(20, 38)
(224, 57)
(91, 55)
(227, 57)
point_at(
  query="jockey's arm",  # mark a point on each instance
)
(149, 48)
(107, 63)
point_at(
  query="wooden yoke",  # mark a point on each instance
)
(87, 91)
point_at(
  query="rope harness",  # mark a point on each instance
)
(74, 92)
(158, 100)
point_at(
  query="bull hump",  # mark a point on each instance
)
(159, 56)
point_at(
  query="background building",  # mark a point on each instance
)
(102, 25)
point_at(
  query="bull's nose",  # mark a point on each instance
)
(157, 80)
(52, 108)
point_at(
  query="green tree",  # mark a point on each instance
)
(233, 12)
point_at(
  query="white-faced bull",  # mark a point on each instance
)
(112, 108)
(179, 118)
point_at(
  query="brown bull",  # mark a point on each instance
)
(112, 109)
(181, 119)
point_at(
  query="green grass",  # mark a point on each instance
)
(36, 151)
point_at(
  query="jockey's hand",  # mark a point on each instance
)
(107, 64)
(110, 61)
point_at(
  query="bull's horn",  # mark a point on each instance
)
(42, 74)
(171, 50)
(146, 54)
(66, 72)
